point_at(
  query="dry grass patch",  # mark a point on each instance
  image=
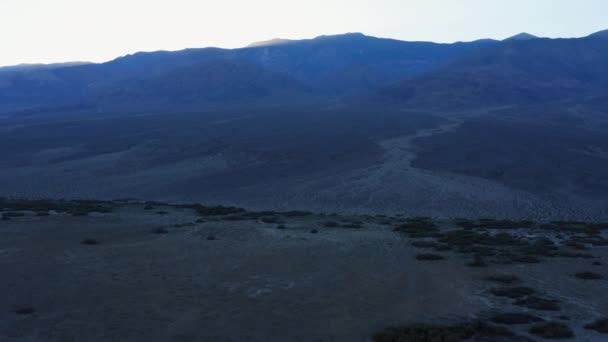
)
(436, 333)
(515, 318)
(429, 257)
(601, 326)
(589, 275)
(552, 330)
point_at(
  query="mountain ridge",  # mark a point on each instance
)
(333, 68)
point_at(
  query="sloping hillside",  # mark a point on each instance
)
(332, 66)
(516, 72)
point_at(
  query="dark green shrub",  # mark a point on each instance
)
(575, 227)
(218, 210)
(353, 225)
(431, 245)
(601, 326)
(12, 214)
(576, 245)
(552, 330)
(588, 275)
(477, 262)
(25, 310)
(429, 257)
(525, 259)
(296, 213)
(435, 333)
(418, 228)
(269, 219)
(90, 242)
(493, 224)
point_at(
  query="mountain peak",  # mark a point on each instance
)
(275, 41)
(343, 35)
(522, 36)
(599, 34)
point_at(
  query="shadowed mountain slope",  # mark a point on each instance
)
(204, 84)
(516, 72)
(329, 65)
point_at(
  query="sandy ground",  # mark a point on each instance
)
(252, 282)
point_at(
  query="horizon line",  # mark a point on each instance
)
(287, 40)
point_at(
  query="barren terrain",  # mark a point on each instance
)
(115, 271)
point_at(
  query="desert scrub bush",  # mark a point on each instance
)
(57, 205)
(477, 262)
(281, 226)
(431, 245)
(296, 213)
(551, 330)
(538, 303)
(467, 238)
(512, 292)
(162, 212)
(596, 263)
(218, 210)
(512, 318)
(210, 237)
(148, 207)
(437, 333)
(256, 215)
(477, 250)
(314, 231)
(270, 219)
(11, 214)
(576, 245)
(429, 257)
(575, 227)
(600, 325)
(353, 225)
(25, 310)
(90, 242)
(502, 278)
(235, 218)
(493, 224)
(510, 258)
(331, 224)
(418, 228)
(160, 231)
(588, 275)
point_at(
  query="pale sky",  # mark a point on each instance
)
(46, 31)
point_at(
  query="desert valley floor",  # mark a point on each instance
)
(124, 270)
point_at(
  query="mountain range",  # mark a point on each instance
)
(512, 128)
(326, 68)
